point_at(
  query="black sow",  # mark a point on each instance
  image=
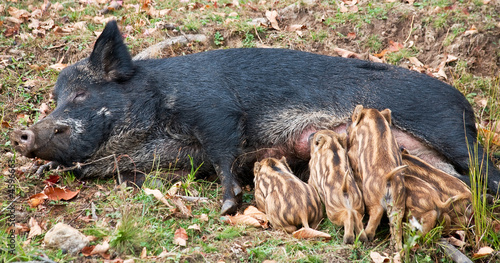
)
(230, 108)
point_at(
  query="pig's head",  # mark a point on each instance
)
(91, 99)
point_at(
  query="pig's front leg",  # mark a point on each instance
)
(231, 190)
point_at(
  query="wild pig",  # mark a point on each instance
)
(332, 177)
(376, 161)
(447, 186)
(287, 201)
(229, 108)
(424, 203)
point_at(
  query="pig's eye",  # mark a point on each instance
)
(80, 96)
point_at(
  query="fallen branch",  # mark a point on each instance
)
(453, 253)
(154, 50)
(193, 198)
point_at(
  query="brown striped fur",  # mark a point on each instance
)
(332, 177)
(447, 186)
(287, 201)
(424, 203)
(376, 161)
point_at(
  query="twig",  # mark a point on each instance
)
(5, 208)
(117, 171)
(79, 214)
(256, 33)
(411, 29)
(193, 198)
(453, 253)
(153, 50)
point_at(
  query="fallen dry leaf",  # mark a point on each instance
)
(82, 25)
(252, 211)
(351, 35)
(144, 253)
(415, 61)
(6, 125)
(101, 248)
(37, 199)
(343, 8)
(174, 189)
(44, 111)
(195, 227)
(158, 195)
(440, 73)
(18, 228)
(471, 31)
(55, 193)
(11, 31)
(456, 242)
(347, 54)
(184, 211)
(18, 13)
(35, 228)
(53, 179)
(451, 58)
(395, 46)
(204, 217)
(58, 66)
(377, 258)
(86, 251)
(304, 233)
(296, 27)
(495, 137)
(240, 219)
(375, 59)
(180, 237)
(482, 252)
(271, 16)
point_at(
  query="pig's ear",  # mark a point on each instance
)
(110, 55)
(387, 115)
(356, 115)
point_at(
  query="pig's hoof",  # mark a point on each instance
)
(348, 239)
(363, 238)
(228, 207)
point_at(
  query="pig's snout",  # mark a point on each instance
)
(23, 141)
(42, 139)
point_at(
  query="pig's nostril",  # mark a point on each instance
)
(24, 137)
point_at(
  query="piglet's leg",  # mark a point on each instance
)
(376, 213)
(348, 227)
(358, 226)
(428, 221)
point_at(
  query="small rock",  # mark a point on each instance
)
(66, 238)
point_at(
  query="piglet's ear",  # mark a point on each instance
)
(110, 56)
(256, 168)
(343, 140)
(387, 115)
(356, 115)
